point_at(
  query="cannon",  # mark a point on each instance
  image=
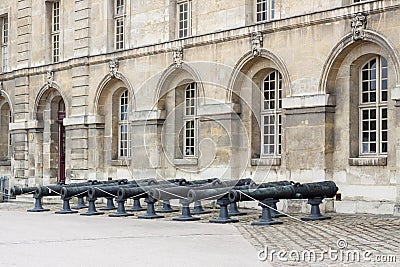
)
(315, 192)
(54, 190)
(16, 191)
(141, 192)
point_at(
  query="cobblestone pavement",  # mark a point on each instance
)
(375, 239)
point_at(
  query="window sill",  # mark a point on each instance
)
(186, 162)
(6, 162)
(266, 162)
(378, 161)
(120, 162)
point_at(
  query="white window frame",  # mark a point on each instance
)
(264, 10)
(4, 43)
(123, 123)
(190, 117)
(9, 132)
(379, 105)
(55, 31)
(271, 107)
(119, 24)
(184, 32)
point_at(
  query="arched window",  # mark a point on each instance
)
(189, 121)
(123, 137)
(5, 137)
(271, 114)
(373, 108)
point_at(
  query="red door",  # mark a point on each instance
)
(61, 145)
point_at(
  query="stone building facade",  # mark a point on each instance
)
(269, 89)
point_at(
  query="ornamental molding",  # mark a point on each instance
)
(256, 43)
(358, 25)
(178, 57)
(114, 65)
(50, 79)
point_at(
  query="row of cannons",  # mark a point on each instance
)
(226, 193)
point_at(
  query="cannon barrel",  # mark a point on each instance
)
(178, 192)
(181, 192)
(307, 190)
(319, 189)
(202, 182)
(271, 184)
(16, 190)
(277, 192)
(124, 193)
(207, 194)
(107, 191)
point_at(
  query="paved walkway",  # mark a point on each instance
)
(47, 239)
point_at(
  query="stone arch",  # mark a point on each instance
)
(174, 77)
(43, 96)
(7, 99)
(343, 47)
(245, 63)
(108, 81)
(5, 137)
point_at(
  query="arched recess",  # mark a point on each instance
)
(174, 77)
(5, 120)
(50, 109)
(107, 105)
(246, 88)
(42, 97)
(170, 97)
(344, 78)
(110, 81)
(244, 64)
(342, 49)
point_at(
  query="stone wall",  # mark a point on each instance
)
(311, 45)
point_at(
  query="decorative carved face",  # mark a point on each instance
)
(358, 23)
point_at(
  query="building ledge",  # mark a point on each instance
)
(6, 162)
(186, 162)
(378, 161)
(120, 162)
(266, 162)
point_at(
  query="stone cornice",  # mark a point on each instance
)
(329, 16)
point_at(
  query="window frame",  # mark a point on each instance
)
(275, 112)
(267, 12)
(4, 24)
(123, 101)
(189, 28)
(55, 25)
(190, 117)
(119, 23)
(378, 106)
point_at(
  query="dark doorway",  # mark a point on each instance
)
(61, 142)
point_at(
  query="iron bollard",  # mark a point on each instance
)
(66, 209)
(315, 214)
(151, 213)
(234, 211)
(110, 204)
(136, 205)
(92, 208)
(186, 215)
(274, 211)
(81, 204)
(198, 208)
(121, 212)
(223, 212)
(166, 208)
(266, 218)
